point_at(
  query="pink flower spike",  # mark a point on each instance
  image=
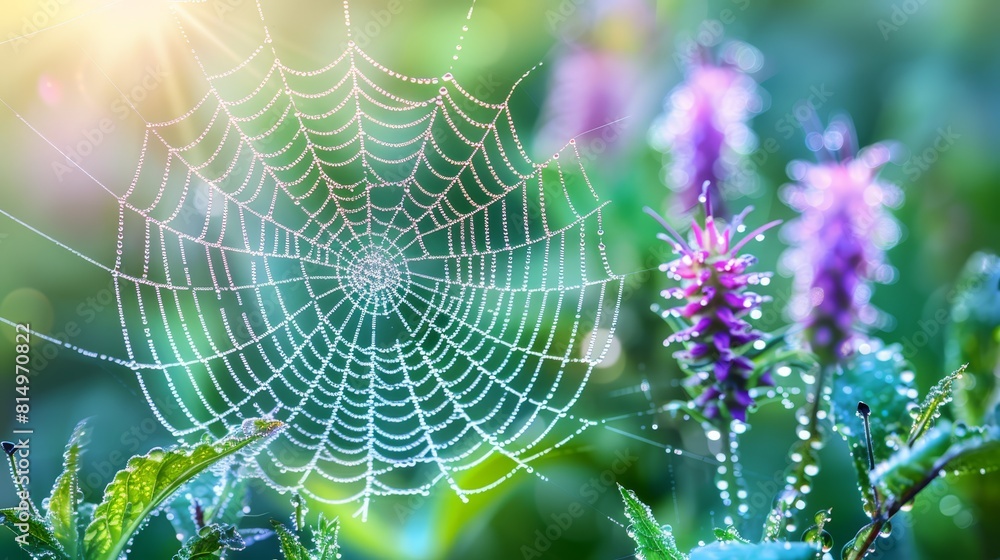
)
(713, 286)
(699, 237)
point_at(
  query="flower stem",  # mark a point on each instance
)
(786, 504)
(730, 477)
(817, 401)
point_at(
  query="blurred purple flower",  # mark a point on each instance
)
(704, 131)
(714, 301)
(838, 242)
(599, 83)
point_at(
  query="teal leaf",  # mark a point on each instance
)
(652, 541)
(38, 540)
(211, 542)
(64, 502)
(883, 380)
(148, 481)
(943, 448)
(759, 551)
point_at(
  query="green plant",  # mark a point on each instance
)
(894, 465)
(67, 528)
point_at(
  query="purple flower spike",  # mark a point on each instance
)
(838, 243)
(715, 302)
(704, 131)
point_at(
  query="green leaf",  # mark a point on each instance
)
(653, 542)
(210, 542)
(38, 540)
(759, 551)
(291, 547)
(938, 396)
(64, 502)
(882, 379)
(945, 448)
(973, 335)
(150, 480)
(898, 475)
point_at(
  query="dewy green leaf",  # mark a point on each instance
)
(653, 542)
(150, 480)
(38, 540)
(63, 504)
(884, 380)
(938, 396)
(943, 448)
(291, 547)
(899, 475)
(760, 551)
(972, 335)
(211, 542)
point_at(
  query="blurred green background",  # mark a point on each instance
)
(914, 71)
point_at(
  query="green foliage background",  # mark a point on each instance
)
(938, 69)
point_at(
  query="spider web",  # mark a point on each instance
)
(373, 259)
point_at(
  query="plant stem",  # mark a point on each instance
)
(892, 507)
(787, 499)
(817, 400)
(730, 477)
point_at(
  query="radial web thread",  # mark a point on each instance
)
(371, 258)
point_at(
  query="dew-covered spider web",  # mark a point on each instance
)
(373, 259)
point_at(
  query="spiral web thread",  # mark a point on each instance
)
(371, 258)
